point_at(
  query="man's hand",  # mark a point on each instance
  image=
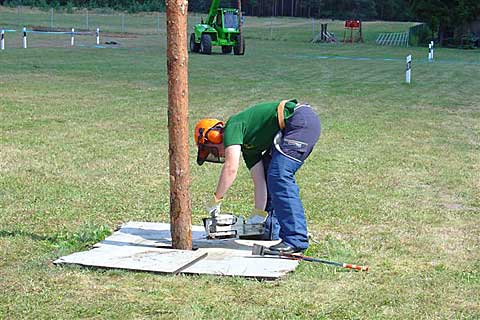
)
(257, 216)
(213, 206)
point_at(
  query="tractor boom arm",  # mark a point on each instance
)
(213, 11)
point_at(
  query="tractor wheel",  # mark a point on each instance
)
(206, 44)
(194, 47)
(236, 48)
(226, 49)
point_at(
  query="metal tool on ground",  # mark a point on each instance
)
(227, 225)
(259, 250)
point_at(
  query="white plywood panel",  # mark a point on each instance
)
(143, 246)
(135, 258)
(234, 263)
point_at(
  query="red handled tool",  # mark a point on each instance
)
(260, 250)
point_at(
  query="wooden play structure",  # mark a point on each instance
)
(324, 35)
(355, 34)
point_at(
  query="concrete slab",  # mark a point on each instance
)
(145, 246)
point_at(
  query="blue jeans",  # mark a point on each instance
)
(286, 216)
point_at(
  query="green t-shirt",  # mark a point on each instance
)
(254, 129)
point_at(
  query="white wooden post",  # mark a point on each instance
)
(2, 41)
(72, 42)
(408, 69)
(98, 36)
(24, 38)
(51, 18)
(86, 20)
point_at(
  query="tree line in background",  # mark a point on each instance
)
(447, 18)
(397, 10)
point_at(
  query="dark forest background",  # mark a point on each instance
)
(441, 16)
(393, 10)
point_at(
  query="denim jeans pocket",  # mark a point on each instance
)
(294, 148)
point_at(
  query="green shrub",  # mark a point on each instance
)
(419, 35)
(469, 41)
(69, 7)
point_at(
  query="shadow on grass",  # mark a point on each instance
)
(65, 241)
(21, 233)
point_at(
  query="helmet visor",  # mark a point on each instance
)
(210, 153)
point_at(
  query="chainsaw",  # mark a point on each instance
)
(228, 225)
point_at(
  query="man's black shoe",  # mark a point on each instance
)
(282, 247)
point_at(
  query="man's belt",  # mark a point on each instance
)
(281, 115)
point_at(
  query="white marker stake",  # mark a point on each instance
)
(98, 36)
(408, 70)
(24, 38)
(2, 40)
(72, 42)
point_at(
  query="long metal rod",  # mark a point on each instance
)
(332, 263)
(259, 250)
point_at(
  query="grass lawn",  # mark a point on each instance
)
(394, 181)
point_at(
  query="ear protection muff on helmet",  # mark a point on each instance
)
(214, 134)
(209, 138)
(209, 131)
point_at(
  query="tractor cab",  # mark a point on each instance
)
(226, 23)
(227, 19)
(220, 29)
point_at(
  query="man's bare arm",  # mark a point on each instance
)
(229, 170)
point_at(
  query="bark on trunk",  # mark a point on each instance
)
(177, 66)
(240, 27)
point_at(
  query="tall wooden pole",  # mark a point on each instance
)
(240, 27)
(177, 65)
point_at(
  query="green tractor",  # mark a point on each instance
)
(221, 29)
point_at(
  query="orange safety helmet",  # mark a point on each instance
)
(208, 137)
(209, 131)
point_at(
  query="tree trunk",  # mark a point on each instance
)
(441, 34)
(177, 68)
(240, 27)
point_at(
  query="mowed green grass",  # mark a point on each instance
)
(393, 182)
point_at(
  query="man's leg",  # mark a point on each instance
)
(272, 227)
(300, 136)
(285, 197)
